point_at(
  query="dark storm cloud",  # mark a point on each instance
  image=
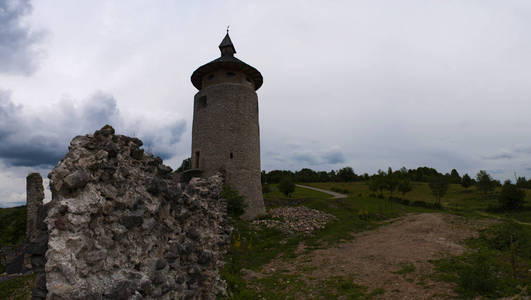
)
(28, 139)
(17, 53)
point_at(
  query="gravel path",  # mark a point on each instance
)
(336, 195)
(378, 258)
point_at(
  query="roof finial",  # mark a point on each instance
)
(228, 28)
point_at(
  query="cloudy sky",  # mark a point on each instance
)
(367, 84)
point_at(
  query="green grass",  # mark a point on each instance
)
(300, 193)
(12, 225)
(458, 199)
(17, 288)
(497, 266)
(252, 249)
(405, 269)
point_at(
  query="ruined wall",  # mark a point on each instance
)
(34, 198)
(121, 227)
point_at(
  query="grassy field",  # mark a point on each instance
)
(457, 198)
(251, 249)
(362, 210)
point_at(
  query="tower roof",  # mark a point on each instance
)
(229, 62)
(227, 44)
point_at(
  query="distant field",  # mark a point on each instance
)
(457, 197)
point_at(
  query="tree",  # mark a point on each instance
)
(404, 186)
(454, 176)
(439, 186)
(466, 181)
(390, 181)
(484, 182)
(346, 174)
(286, 186)
(377, 183)
(511, 197)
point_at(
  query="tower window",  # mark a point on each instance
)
(210, 77)
(231, 74)
(202, 101)
(197, 159)
(231, 155)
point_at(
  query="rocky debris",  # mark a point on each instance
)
(121, 226)
(295, 219)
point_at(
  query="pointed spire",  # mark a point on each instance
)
(226, 47)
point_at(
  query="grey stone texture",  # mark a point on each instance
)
(34, 198)
(37, 248)
(225, 131)
(121, 226)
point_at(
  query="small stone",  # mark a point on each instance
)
(76, 180)
(131, 221)
(137, 154)
(157, 186)
(160, 264)
(193, 234)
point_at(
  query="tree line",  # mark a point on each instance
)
(510, 197)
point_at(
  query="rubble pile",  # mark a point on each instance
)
(295, 219)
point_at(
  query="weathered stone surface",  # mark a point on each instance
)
(122, 227)
(34, 198)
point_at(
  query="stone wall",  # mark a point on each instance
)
(226, 136)
(34, 198)
(120, 226)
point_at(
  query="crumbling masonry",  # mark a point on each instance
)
(120, 225)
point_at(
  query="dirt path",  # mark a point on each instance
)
(334, 194)
(393, 258)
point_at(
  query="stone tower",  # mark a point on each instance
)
(225, 132)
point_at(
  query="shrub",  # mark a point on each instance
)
(235, 202)
(466, 181)
(419, 203)
(266, 188)
(404, 186)
(484, 182)
(286, 186)
(478, 276)
(339, 190)
(439, 186)
(511, 197)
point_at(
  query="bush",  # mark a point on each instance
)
(235, 202)
(266, 188)
(286, 186)
(485, 183)
(419, 203)
(439, 186)
(399, 200)
(478, 276)
(511, 197)
(339, 190)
